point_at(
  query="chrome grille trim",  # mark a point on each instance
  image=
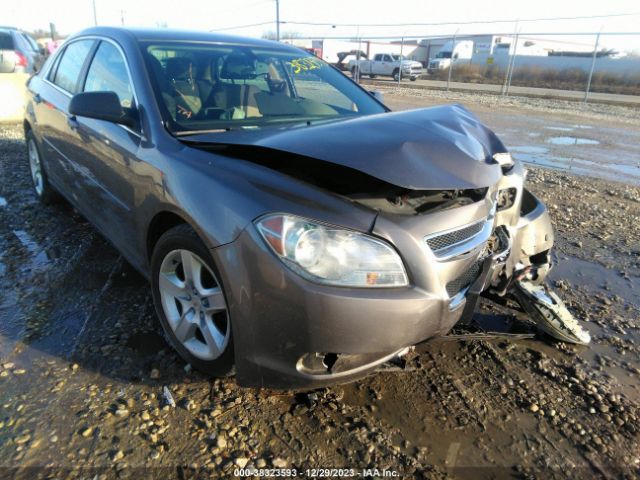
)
(449, 244)
(444, 240)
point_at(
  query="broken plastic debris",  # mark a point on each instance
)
(549, 313)
(168, 398)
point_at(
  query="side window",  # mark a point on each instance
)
(387, 58)
(377, 58)
(6, 42)
(108, 73)
(70, 65)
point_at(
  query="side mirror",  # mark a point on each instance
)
(378, 95)
(101, 106)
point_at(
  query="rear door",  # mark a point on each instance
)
(7, 56)
(58, 131)
(387, 65)
(376, 64)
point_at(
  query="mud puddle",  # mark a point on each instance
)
(544, 157)
(572, 141)
(595, 277)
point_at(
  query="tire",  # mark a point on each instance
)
(396, 75)
(413, 78)
(43, 190)
(372, 76)
(191, 302)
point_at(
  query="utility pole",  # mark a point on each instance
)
(95, 15)
(278, 20)
(593, 65)
(451, 60)
(503, 90)
(401, 59)
(512, 65)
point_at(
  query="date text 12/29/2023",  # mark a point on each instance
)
(316, 472)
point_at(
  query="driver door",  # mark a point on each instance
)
(110, 152)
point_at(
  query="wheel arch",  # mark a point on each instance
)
(162, 222)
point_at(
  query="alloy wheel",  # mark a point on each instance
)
(36, 168)
(194, 304)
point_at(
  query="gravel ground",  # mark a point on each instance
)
(84, 370)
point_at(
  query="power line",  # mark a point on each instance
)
(428, 37)
(237, 27)
(471, 22)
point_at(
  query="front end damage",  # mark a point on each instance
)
(438, 187)
(520, 260)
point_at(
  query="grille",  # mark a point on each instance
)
(464, 280)
(446, 240)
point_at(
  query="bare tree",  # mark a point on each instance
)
(271, 35)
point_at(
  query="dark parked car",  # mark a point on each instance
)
(19, 53)
(294, 230)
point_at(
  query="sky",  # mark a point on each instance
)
(73, 15)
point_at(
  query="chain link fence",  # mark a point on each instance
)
(503, 63)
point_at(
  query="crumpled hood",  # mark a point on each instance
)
(434, 148)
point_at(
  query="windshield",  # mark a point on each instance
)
(210, 86)
(444, 55)
(396, 58)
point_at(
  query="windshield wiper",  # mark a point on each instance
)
(186, 133)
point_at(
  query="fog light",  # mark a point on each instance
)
(506, 198)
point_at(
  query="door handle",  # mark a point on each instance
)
(72, 122)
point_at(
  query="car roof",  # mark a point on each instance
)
(168, 34)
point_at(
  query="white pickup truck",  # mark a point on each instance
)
(386, 65)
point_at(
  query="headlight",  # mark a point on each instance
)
(331, 255)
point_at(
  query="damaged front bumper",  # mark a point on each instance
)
(289, 332)
(527, 227)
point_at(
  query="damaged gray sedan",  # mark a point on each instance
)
(295, 231)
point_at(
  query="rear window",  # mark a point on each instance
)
(70, 65)
(6, 42)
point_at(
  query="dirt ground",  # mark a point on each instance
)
(83, 365)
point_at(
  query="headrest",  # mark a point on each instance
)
(180, 68)
(238, 67)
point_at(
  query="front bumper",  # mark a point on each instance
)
(289, 332)
(280, 320)
(412, 71)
